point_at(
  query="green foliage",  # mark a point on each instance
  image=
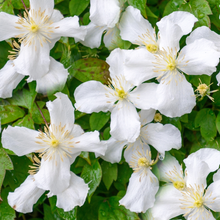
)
(98, 120)
(141, 5)
(77, 6)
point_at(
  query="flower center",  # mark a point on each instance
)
(34, 28)
(121, 93)
(179, 185)
(153, 48)
(143, 162)
(158, 117)
(172, 64)
(54, 143)
(199, 202)
(202, 88)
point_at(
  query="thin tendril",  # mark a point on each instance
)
(42, 114)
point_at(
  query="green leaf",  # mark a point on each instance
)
(10, 113)
(6, 164)
(27, 122)
(174, 121)
(6, 212)
(90, 69)
(4, 48)
(124, 173)
(110, 210)
(48, 215)
(150, 13)
(24, 98)
(140, 4)
(206, 119)
(7, 7)
(98, 120)
(191, 121)
(172, 5)
(71, 215)
(109, 173)
(218, 122)
(92, 174)
(77, 6)
(18, 4)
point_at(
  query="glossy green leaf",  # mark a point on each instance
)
(109, 173)
(98, 120)
(110, 210)
(172, 5)
(218, 122)
(92, 174)
(18, 4)
(4, 48)
(90, 69)
(27, 122)
(71, 215)
(10, 113)
(7, 7)
(141, 5)
(77, 6)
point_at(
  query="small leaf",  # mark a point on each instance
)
(90, 69)
(109, 173)
(98, 120)
(92, 175)
(77, 6)
(140, 4)
(7, 7)
(25, 122)
(71, 215)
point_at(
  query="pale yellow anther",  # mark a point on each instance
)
(179, 185)
(157, 117)
(152, 48)
(143, 162)
(202, 88)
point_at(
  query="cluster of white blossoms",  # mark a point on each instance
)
(131, 100)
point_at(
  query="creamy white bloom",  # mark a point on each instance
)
(186, 194)
(58, 145)
(160, 57)
(38, 31)
(120, 97)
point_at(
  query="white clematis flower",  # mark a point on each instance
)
(186, 194)
(120, 97)
(160, 57)
(38, 31)
(58, 145)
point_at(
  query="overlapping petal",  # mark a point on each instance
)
(47, 6)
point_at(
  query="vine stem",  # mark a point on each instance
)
(24, 5)
(42, 115)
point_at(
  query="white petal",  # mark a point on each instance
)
(61, 111)
(216, 176)
(111, 38)
(20, 140)
(167, 203)
(8, 24)
(201, 56)
(76, 131)
(54, 174)
(218, 78)
(125, 122)
(74, 195)
(162, 137)
(114, 150)
(135, 28)
(146, 116)
(47, 6)
(144, 96)
(56, 16)
(141, 192)
(93, 37)
(139, 66)
(200, 214)
(105, 12)
(204, 32)
(68, 27)
(25, 196)
(176, 96)
(170, 169)
(197, 172)
(33, 60)
(54, 80)
(208, 155)
(9, 79)
(91, 97)
(89, 142)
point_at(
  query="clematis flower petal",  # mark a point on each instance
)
(203, 213)
(20, 140)
(8, 23)
(68, 27)
(33, 60)
(209, 155)
(9, 79)
(125, 122)
(216, 176)
(168, 204)
(25, 196)
(54, 80)
(146, 116)
(74, 195)
(175, 96)
(111, 38)
(202, 58)
(91, 97)
(105, 12)
(58, 116)
(93, 37)
(144, 96)
(114, 150)
(47, 6)
(204, 32)
(54, 174)
(56, 16)
(140, 195)
(134, 28)
(162, 137)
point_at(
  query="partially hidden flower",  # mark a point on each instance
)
(120, 97)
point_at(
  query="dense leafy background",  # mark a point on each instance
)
(199, 129)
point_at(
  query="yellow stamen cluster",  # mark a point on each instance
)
(180, 185)
(143, 162)
(15, 51)
(121, 93)
(157, 117)
(35, 167)
(153, 48)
